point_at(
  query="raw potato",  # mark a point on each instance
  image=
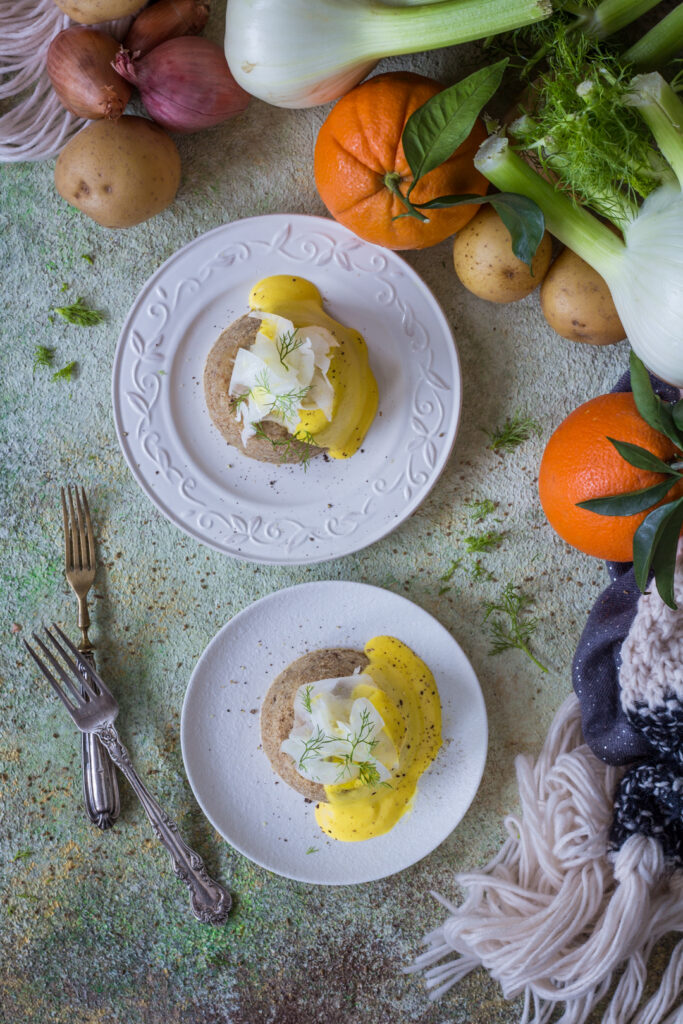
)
(119, 172)
(90, 12)
(486, 265)
(577, 303)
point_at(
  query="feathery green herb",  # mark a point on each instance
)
(515, 431)
(67, 372)
(483, 541)
(312, 849)
(479, 510)
(292, 444)
(313, 746)
(21, 855)
(287, 344)
(87, 257)
(43, 356)
(306, 699)
(513, 627)
(80, 314)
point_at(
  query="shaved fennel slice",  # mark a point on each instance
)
(282, 372)
(336, 738)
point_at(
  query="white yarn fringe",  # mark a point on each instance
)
(37, 126)
(550, 918)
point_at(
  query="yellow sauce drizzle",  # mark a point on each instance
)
(406, 697)
(355, 389)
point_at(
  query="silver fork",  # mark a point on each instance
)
(93, 709)
(100, 786)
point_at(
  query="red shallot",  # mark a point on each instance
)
(185, 83)
(164, 20)
(79, 63)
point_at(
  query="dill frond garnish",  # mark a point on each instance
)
(515, 431)
(87, 257)
(288, 445)
(483, 541)
(289, 403)
(287, 344)
(313, 746)
(480, 509)
(67, 372)
(43, 356)
(80, 314)
(514, 627)
(306, 699)
(312, 849)
(367, 773)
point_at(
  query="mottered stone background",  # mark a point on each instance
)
(94, 927)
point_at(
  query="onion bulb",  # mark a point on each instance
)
(185, 84)
(164, 20)
(79, 65)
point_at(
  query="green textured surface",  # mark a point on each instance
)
(94, 927)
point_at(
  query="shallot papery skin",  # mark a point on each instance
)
(166, 19)
(185, 84)
(79, 63)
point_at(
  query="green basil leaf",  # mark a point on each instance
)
(641, 458)
(648, 536)
(664, 559)
(435, 130)
(628, 504)
(654, 411)
(520, 215)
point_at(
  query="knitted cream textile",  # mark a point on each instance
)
(651, 670)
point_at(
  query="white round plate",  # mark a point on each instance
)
(283, 514)
(262, 816)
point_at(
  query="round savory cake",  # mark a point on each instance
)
(221, 405)
(277, 713)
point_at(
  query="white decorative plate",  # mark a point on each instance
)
(231, 776)
(284, 514)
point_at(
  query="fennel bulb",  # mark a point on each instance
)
(644, 272)
(299, 53)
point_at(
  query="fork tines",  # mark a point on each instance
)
(78, 531)
(83, 673)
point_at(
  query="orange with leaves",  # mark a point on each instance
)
(360, 165)
(580, 463)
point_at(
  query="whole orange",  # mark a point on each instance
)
(360, 143)
(579, 463)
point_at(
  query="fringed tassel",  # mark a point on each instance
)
(550, 918)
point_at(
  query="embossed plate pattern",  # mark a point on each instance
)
(284, 514)
(221, 738)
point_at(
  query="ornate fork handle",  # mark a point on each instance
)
(100, 786)
(210, 901)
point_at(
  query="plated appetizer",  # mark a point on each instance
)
(287, 381)
(354, 731)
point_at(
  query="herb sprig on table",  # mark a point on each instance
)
(517, 429)
(80, 314)
(510, 625)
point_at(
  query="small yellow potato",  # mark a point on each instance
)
(577, 303)
(486, 265)
(90, 12)
(119, 172)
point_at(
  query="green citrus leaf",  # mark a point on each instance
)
(655, 412)
(520, 215)
(648, 536)
(664, 559)
(435, 130)
(677, 413)
(641, 458)
(628, 504)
